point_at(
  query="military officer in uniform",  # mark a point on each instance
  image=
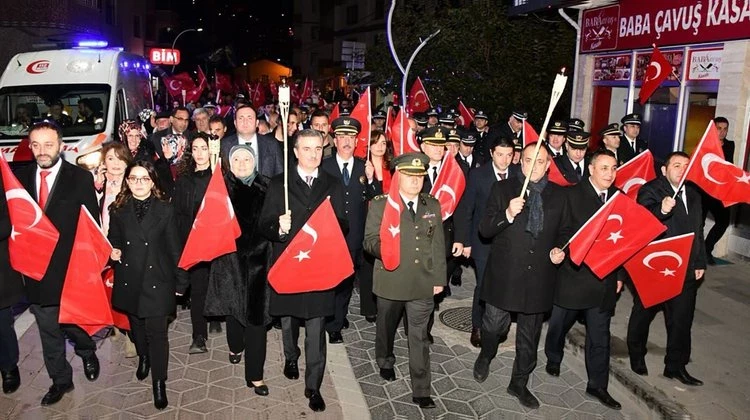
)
(419, 276)
(378, 120)
(432, 117)
(556, 138)
(465, 154)
(572, 164)
(576, 124)
(447, 120)
(484, 137)
(514, 129)
(630, 142)
(452, 146)
(611, 140)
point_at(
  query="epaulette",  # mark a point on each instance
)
(380, 197)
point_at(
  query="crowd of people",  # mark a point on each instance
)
(151, 180)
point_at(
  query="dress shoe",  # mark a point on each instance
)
(476, 338)
(553, 369)
(456, 277)
(525, 397)
(423, 402)
(335, 337)
(261, 389)
(11, 380)
(481, 369)
(56, 393)
(144, 366)
(345, 325)
(710, 259)
(214, 327)
(160, 395)
(683, 376)
(316, 400)
(235, 358)
(91, 367)
(185, 303)
(371, 318)
(198, 345)
(291, 370)
(388, 374)
(639, 366)
(603, 396)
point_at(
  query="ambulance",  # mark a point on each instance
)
(88, 90)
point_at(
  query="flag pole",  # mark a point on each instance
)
(369, 115)
(284, 108)
(557, 89)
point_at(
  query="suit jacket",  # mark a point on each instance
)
(73, 187)
(356, 197)
(482, 145)
(270, 162)
(520, 276)
(303, 201)
(145, 278)
(422, 263)
(569, 171)
(577, 286)
(158, 135)
(452, 232)
(728, 148)
(551, 153)
(11, 286)
(625, 152)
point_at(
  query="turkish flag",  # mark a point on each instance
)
(449, 186)
(119, 319)
(177, 83)
(194, 94)
(530, 135)
(402, 135)
(258, 96)
(33, 237)
(467, 117)
(307, 90)
(636, 172)
(418, 100)
(554, 175)
(363, 114)
(274, 89)
(84, 300)
(215, 227)
(224, 82)
(316, 259)
(717, 177)
(390, 227)
(658, 271)
(294, 93)
(335, 112)
(658, 71)
(389, 115)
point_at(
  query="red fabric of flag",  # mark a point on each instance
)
(418, 100)
(636, 172)
(390, 227)
(467, 117)
(658, 71)
(449, 186)
(363, 114)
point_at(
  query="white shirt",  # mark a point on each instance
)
(498, 171)
(556, 152)
(575, 165)
(631, 141)
(431, 171)
(599, 192)
(341, 163)
(253, 144)
(303, 175)
(467, 159)
(413, 200)
(54, 170)
(682, 195)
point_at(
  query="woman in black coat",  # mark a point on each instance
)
(238, 287)
(146, 249)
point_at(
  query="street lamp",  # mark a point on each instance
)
(178, 36)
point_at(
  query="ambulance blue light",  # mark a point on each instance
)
(93, 44)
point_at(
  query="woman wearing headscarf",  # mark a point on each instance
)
(133, 135)
(238, 287)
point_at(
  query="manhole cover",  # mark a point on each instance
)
(457, 318)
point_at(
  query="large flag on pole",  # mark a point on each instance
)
(467, 117)
(390, 227)
(632, 175)
(402, 136)
(363, 114)
(418, 100)
(449, 186)
(658, 71)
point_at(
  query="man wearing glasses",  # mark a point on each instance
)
(178, 126)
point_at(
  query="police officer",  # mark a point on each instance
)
(576, 124)
(556, 138)
(432, 117)
(611, 140)
(378, 120)
(419, 276)
(514, 128)
(484, 137)
(465, 155)
(630, 142)
(572, 164)
(447, 120)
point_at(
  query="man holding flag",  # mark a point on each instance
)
(11, 290)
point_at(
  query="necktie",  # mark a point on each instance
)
(434, 174)
(43, 188)
(346, 174)
(502, 176)
(579, 170)
(309, 180)
(603, 197)
(411, 209)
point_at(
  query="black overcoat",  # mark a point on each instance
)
(11, 287)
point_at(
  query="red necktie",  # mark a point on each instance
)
(43, 188)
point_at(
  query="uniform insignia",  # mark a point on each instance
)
(428, 216)
(363, 180)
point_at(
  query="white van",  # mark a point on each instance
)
(88, 91)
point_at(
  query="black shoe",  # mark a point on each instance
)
(371, 318)
(525, 397)
(603, 396)
(316, 400)
(160, 395)
(423, 402)
(335, 337)
(639, 367)
(11, 380)
(276, 323)
(235, 358)
(683, 376)
(345, 325)
(198, 345)
(291, 371)
(710, 259)
(56, 393)
(144, 366)
(476, 338)
(456, 278)
(481, 369)
(553, 369)
(186, 304)
(91, 367)
(261, 390)
(388, 374)
(214, 327)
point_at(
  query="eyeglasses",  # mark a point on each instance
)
(138, 180)
(181, 119)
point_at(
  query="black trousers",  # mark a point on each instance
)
(678, 317)
(198, 290)
(367, 300)
(252, 340)
(8, 341)
(418, 312)
(495, 326)
(597, 341)
(53, 335)
(721, 218)
(315, 347)
(344, 294)
(150, 338)
(478, 305)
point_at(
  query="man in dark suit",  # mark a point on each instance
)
(520, 275)
(357, 182)
(484, 136)
(466, 156)
(474, 203)
(680, 215)
(580, 292)
(308, 187)
(513, 129)
(631, 144)
(270, 159)
(61, 189)
(178, 122)
(611, 140)
(572, 164)
(555, 143)
(710, 204)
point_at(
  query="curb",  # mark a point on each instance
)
(648, 395)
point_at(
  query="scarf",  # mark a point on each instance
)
(248, 180)
(535, 205)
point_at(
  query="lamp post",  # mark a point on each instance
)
(178, 36)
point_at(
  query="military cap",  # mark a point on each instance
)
(447, 118)
(432, 112)
(631, 119)
(436, 136)
(576, 124)
(557, 127)
(346, 125)
(578, 139)
(519, 115)
(209, 104)
(453, 136)
(379, 115)
(345, 112)
(468, 138)
(517, 147)
(613, 128)
(163, 114)
(413, 163)
(421, 119)
(480, 115)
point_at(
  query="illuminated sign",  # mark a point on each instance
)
(164, 56)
